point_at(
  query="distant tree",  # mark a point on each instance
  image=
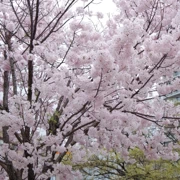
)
(103, 166)
(111, 166)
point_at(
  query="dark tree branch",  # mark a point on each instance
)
(142, 86)
(57, 21)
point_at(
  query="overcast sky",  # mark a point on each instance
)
(106, 6)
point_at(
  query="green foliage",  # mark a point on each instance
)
(177, 103)
(54, 122)
(98, 167)
(67, 159)
(138, 167)
(146, 169)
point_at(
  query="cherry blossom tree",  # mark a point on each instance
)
(85, 89)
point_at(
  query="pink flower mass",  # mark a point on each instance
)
(70, 87)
